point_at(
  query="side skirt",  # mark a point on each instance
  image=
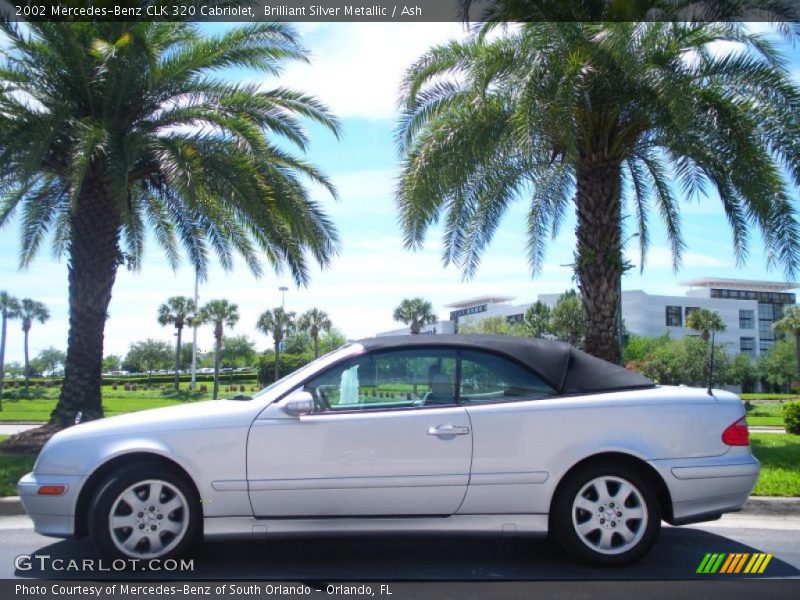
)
(221, 528)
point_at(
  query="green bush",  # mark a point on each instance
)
(791, 417)
(289, 363)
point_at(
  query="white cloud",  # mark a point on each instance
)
(660, 257)
(357, 70)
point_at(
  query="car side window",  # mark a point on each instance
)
(387, 380)
(489, 378)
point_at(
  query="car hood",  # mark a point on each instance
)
(192, 415)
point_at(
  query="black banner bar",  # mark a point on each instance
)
(367, 11)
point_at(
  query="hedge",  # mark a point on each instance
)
(143, 378)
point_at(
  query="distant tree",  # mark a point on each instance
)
(567, 321)
(238, 351)
(298, 342)
(220, 314)
(416, 313)
(537, 319)
(639, 348)
(314, 321)
(778, 365)
(683, 361)
(331, 340)
(789, 324)
(706, 322)
(148, 356)
(743, 372)
(496, 325)
(186, 355)
(111, 362)
(177, 311)
(279, 323)
(49, 360)
(9, 309)
(30, 311)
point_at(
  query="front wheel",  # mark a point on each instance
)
(606, 515)
(144, 512)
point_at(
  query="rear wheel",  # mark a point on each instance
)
(144, 512)
(606, 515)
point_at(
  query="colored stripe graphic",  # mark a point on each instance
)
(734, 563)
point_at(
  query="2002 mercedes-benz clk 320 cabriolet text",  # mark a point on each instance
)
(423, 434)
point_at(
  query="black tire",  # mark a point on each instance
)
(176, 529)
(592, 545)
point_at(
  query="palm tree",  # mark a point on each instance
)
(9, 308)
(278, 322)
(605, 116)
(221, 314)
(30, 311)
(789, 324)
(707, 322)
(108, 130)
(416, 313)
(314, 321)
(177, 312)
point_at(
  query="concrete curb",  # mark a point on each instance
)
(11, 507)
(756, 506)
(766, 505)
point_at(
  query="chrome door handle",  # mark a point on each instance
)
(445, 430)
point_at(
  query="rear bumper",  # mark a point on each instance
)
(705, 488)
(51, 515)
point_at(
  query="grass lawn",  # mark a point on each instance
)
(115, 402)
(12, 467)
(765, 414)
(780, 464)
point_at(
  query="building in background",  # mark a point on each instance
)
(748, 308)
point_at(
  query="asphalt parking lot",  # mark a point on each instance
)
(675, 556)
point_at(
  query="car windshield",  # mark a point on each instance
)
(296, 377)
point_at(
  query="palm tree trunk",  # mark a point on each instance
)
(94, 256)
(27, 361)
(217, 348)
(3, 358)
(178, 360)
(277, 360)
(598, 261)
(316, 346)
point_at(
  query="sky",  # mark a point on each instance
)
(356, 69)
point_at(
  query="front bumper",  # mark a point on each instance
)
(51, 515)
(704, 488)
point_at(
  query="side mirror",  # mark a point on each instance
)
(298, 404)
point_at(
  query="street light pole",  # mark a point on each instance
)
(194, 332)
(283, 289)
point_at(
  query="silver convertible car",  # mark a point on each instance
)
(419, 434)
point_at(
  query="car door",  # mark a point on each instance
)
(509, 474)
(386, 438)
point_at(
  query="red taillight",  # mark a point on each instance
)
(737, 434)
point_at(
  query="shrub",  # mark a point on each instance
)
(204, 388)
(791, 417)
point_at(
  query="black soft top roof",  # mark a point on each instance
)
(567, 369)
